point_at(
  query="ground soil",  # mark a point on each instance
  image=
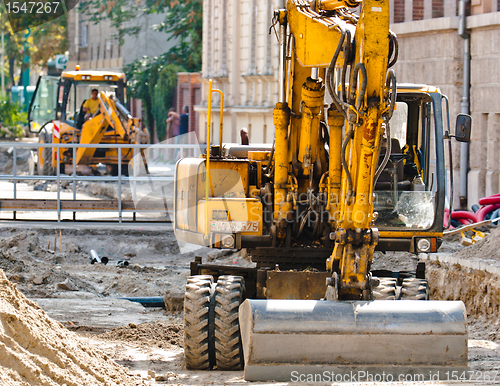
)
(155, 265)
(37, 350)
(159, 335)
(151, 346)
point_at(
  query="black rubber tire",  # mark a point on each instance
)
(415, 289)
(44, 166)
(112, 170)
(386, 290)
(197, 299)
(229, 294)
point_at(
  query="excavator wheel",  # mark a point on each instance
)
(198, 319)
(44, 166)
(229, 294)
(386, 290)
(112, 170)
(415, 289)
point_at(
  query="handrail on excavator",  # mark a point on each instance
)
(209, 126)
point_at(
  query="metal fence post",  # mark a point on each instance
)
(58, 163)
(119, 185)
(14, 165)
(74, 179)
(134, 175)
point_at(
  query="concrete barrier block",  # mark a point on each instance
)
(476, 186)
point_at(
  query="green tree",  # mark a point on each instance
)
(41, 44)
(11, 117)
(183, 22)
(153, 79)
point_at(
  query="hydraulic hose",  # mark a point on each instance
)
(347, 55)
(350, 133)
(394, 39)
(348, 137)
(352, 90)
(391, 81)
(386, 155)
(329, 76)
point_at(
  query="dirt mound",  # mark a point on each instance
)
(7, 160)
(479, 290)
(37, 350)
(487, 249)
(152, 334)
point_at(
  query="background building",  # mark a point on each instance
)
(96, 46)
(188, 93)
(241, 57)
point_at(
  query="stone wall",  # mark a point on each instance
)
(241, 57)
(103, 50)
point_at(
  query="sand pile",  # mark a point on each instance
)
(36, 350)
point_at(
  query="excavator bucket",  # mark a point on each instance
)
(358, 341)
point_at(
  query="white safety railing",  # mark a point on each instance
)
(162, 148)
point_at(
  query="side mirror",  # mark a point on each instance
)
(463, 128)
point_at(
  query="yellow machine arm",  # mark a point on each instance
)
(324, 45)
(113, 115)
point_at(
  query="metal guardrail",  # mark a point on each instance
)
(64, 205)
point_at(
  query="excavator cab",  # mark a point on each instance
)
(62, 97)
(410, 191)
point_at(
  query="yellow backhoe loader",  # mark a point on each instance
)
(56, 113)
(365, 172)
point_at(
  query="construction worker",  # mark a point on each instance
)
(244, 136)
(91, 105)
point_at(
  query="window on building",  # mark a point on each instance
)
(84, 35)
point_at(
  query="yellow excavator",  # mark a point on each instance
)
(56, 113)
(357, 165)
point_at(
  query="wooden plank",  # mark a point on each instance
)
(21, 204)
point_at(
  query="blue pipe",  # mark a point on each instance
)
(495, 214)
(152, 301)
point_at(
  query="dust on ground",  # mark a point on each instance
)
(486, 250)
(158, 268)
(155, 265)
(159, 335)
(66, 282)
(7, 160)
